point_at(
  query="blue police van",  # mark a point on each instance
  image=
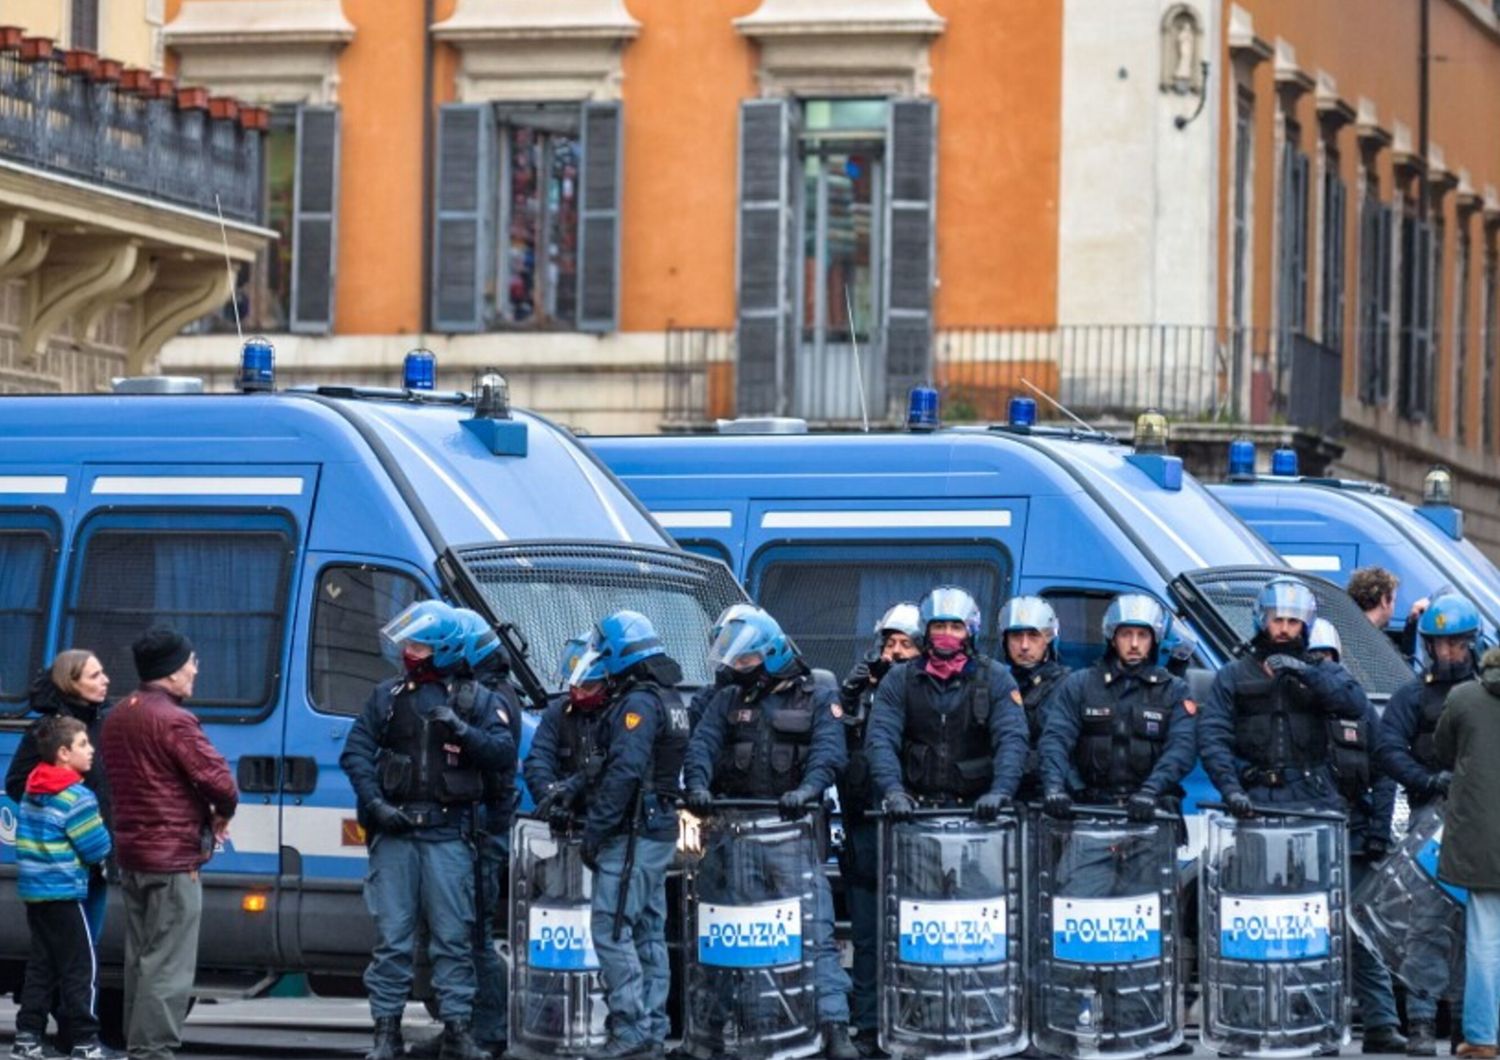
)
(828, 530)
(1330, 527)
(280, 531)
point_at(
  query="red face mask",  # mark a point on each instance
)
(946, 644)
(587, 701)
(419, 668)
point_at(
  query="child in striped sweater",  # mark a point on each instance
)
(59, 836)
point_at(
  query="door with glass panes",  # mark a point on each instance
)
(839, 348)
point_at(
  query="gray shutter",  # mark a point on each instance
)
(314, 219)
(911, 182)
(599, 218)
(763, 383)
(463, 225)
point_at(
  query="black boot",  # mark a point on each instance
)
(836, 1043)
(429, 1048)
(1422, 1040)
(1384, 1040)
(388, 1044)
(867, 1043)
(458, 1044)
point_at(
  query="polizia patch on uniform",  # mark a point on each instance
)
(632, 719)
(1016, 695)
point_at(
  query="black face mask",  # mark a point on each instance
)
(1451, 673)
(751, 678)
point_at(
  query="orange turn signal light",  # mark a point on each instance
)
(254, 902)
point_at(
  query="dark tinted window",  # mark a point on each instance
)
(25, 582)
(1080, 620)
(829, 597)
(353, 603)
(224, 589)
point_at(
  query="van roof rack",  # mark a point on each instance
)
(386, 393)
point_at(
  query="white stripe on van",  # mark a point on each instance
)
(199, 485)
(1313, 563)
(311, 830)
(33, 483)
(695, 520)
(974, 518)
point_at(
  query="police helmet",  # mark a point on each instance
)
(1134, 609)
(901, 618)
(1285, 597)
(1179, 644)
(1449, 615)
(1028, 612)
(728, 615)
(572, 654)
(1324, 637)
(480, 639)
(948, 603)
(753, 634)
(432, 623)
(617, 643)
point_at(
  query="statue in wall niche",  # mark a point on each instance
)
(1182, 51)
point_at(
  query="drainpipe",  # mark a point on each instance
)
(1424, 101)
(424, 284)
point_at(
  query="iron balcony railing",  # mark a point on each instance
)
(73, 113)
(1210, 374)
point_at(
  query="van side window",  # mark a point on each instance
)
(220, 580)
(828, 597)
(1080, 620)
(352, 605)
(25, 586)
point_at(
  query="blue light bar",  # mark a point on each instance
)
(1022, 412)
(257, 365)
(1284, 462)
(922, 409)
(419, 370)
(1241, 459)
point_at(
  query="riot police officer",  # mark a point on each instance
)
(566, 756)
(1370, 815)
(947, 727)
(630, 823)
(1122, 732)
(1028, 630)
(774, 732)
(1448, 628)
(1264, 732)
(417, 757)
(722, 675)
(897, 634)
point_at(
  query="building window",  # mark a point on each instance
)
(353, 604)
(1331, 323)
(290, 285)
(1375, 223)
(83, 24)
(1292, 245)
(527, 217)
(1461, 333)
(1421, 241)
(1239, 265)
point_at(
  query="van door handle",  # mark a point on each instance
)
(257, 774)
(299, 775)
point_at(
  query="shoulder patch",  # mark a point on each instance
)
(836, 710)
(1190, 706)
(499, 711)
(1015, 694)
(632, 720)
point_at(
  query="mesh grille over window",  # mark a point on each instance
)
(353, 604)
(553, 592)
(25, 579)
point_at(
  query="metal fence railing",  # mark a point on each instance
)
(74, 113)
(1189, 372)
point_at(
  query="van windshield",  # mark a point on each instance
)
(553, 592)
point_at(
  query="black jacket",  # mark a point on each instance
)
(47, 699)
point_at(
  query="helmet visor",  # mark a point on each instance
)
(1028, 613)
(417, 624)
(588, 669)
(952, 605)
(1289, 600)
(738, 646)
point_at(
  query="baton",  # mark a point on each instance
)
(1278, 811)
(628, 868)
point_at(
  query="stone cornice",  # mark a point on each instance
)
(280, 22)
(843, 47)
(270, 51)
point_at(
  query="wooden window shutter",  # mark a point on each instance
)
(767, 225)
(911, 182)
(315, 219)
(599, 217)
(463, 226)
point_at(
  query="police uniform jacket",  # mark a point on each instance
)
(642, 736)
(1407, 728)
(1113, 730)
(486, 748)
(911, 705)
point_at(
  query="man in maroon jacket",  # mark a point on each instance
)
(176, 796)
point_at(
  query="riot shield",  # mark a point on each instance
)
(951, 973)
(1105, 934)
(1274, 940)
(749, 984)
(1409, 918)
(557, 1006)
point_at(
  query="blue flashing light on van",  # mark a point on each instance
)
(280, 531)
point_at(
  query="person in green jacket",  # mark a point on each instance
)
(1467, 741)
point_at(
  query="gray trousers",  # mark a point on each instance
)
(162, 914)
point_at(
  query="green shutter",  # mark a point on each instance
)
(463, 225)
(315, 219)
(599, 218)
(766, 336)
(911, 181)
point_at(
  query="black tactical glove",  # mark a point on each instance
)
(988, 806)
(559, 820)
(1286, 664)
(1239, 805)
(1058, 804)
(1439, 783)
(445, 713)
(387, 818)
(1141, 807)
(700, 801)
(794, 804)
(899, 806)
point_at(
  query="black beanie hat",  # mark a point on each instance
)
(160, 652)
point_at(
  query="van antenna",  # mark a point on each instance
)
(859, 372)
(234, 300)
(1061, 407)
